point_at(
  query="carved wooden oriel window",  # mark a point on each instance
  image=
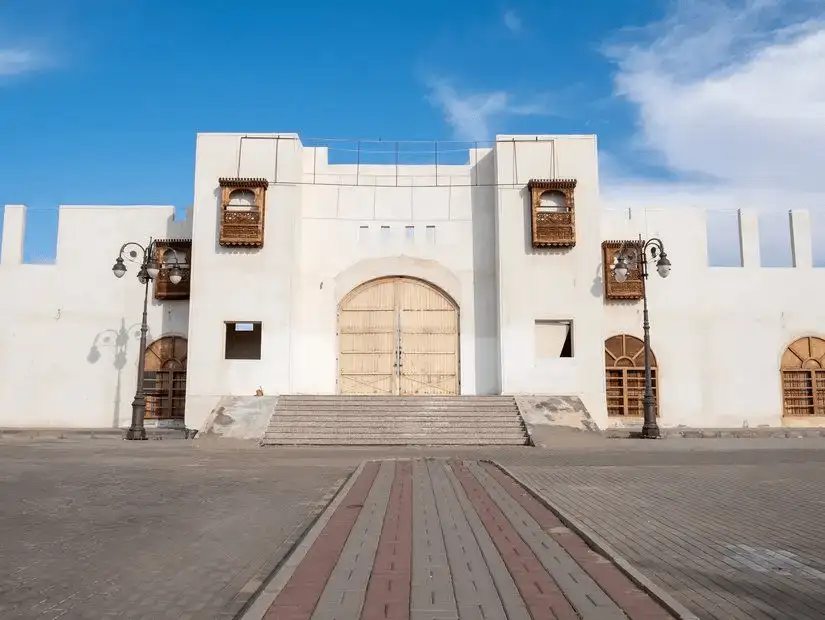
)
(243, 210)
(164, 248)
(633, 286)
(165, 378)
(624, 360)
(553, 212)
(803, 378)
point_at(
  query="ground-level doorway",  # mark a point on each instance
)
(165, 379)
(398, 336)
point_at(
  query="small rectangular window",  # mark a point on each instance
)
(363, 233)
(385, 233)
(554, 339)
(431, 235)
(409, 233)
(243, 340)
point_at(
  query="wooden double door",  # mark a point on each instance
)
(398, 336)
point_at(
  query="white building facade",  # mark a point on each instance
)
(482, 278)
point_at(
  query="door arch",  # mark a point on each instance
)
(398, 336)
(624, 361)
(165, 378)
(803, 378)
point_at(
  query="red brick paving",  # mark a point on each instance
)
(299, 597)
(633, 601)
(540, 592)
(388, 591)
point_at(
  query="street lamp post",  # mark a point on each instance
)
(148, 271)
(638, 257)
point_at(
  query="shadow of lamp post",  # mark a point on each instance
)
(637, 256)
(148, 271)
(118, 339)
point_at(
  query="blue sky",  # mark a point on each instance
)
(100, 100)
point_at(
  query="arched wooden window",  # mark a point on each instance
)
(624, 360)
(165, 378)
(553, 201)
(242, 200)
(803, 377)
(553, 212)
(243, 203)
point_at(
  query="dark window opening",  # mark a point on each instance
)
(567, 347)
(243, 341)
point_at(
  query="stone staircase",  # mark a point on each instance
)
(398, 420)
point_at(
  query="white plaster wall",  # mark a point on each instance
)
(550, 284)
(718, 332)
(59, 362)
(343, 245)
(230, 284)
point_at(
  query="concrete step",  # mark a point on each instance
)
(358, 437)
(479, 400)
(408, 420)
(390, 423)
(355, 433)
(428, 441)
(331, 416)
(401, 406)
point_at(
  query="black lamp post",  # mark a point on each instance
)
(639, 257)
(148, 271)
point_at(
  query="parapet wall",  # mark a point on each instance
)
(84, 232)
(749, 245)
(719, 333)
(69, 351)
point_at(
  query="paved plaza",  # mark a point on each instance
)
(174, 529)
(147, 530)
(730, 535)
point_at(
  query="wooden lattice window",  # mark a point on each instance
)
(553, 212)
(165, 378)
(243, 212)
(633, 287)
(624, 360)
(803, 378)
(164, 289)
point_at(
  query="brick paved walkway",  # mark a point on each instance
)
(428, 539)
(729, 541)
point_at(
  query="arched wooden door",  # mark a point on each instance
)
(803, 377)
(165, 378)
(624, 360)
(398, 336)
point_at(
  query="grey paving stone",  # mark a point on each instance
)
(162, 529)
(505, 586)
(473, 585)
(432, 584)
(731, 535)
(151, 531)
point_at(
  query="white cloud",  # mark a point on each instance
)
(16, 61)
(472, 115)
(732, 95)
(512, 22)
